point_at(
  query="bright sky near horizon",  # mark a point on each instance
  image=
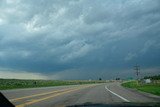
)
(79, 39)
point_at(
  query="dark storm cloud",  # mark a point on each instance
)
(79, 36)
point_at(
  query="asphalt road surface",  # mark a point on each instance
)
(108, 94)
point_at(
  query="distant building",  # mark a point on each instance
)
(147, 81)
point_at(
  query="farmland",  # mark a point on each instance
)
(17, 83)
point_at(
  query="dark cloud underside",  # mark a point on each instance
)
(79, 36)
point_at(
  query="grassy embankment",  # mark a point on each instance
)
(153, 88)
(16, 83)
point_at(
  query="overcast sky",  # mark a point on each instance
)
(79, 39)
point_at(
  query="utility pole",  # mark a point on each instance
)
(137, 69)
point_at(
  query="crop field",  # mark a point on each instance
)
(149, 88)
(17, 83)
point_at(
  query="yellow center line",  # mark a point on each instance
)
(51, 96)
(36, 95)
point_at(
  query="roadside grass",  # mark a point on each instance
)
(17, 83)
(149, 88)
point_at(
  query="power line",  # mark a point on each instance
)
(137, 69)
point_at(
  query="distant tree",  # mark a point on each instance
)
(100, 79)
(155, 77)
(35, 83)
(117, 78)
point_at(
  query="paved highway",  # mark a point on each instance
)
(108, 94)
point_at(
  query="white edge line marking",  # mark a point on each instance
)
(116, 94)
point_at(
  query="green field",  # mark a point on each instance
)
(16, 83)
(149, 88)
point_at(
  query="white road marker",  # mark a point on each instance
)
(117, 94)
